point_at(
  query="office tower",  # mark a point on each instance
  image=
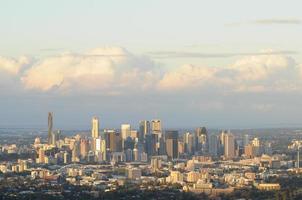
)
(172, 144)
(161, 146)
(249, 151)
(103, 150)
(222, 142)
(222, 137)
(189, 143)
(129, 155)
(113, 141)
(84, 148)
(213, 145)
(125, 131)
(98, 144)
(256, 146)
(75, 157)
(144, 129)
(136, 155)
(139, 149)
(150, 144)
(95, 127)
(156, 126)
(256, 142)
(56, 136)
(129, 143)
(181, 147)
(202, 140)
(229, 146)
(134, 134)
(50, 126)
(110, 137)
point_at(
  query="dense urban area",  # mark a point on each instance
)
(150, 162)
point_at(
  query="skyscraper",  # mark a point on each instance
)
(84, 148)
(125, 131)
(144, 129)
(202, 140)
(229, 146)
(156, 126)
(95, 128)
(213, 145)
(50, 125)
(55, 135)
(189, 145)
(172, 144)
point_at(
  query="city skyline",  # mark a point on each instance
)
(238, 67)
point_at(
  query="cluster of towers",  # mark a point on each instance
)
(127, 144)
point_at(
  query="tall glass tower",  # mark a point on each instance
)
(50, 124)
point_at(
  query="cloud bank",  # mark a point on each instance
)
(114, 70)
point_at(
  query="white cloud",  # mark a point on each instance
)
(187, 76)
(258, 73)
(99, 69)
(13, 66)
(262, 66)
(114, 70)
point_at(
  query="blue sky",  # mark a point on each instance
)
(190, 63)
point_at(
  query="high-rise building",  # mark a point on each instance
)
(144, 129)
(256, 146)
(55, 135)
(84, 148)
(150, 144)
(95, 127)
(202, 140)
(222, 137)
(134, 134)
(50, 126)
(111, 140)
(222, 142)
(189, 143)
(249, 151)
(41, 155)
(156, 126)
(213, 145)
(76, 152)
(103, 150)
(125, 131)
(229, 146)
(172, 144)
(256, 142)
